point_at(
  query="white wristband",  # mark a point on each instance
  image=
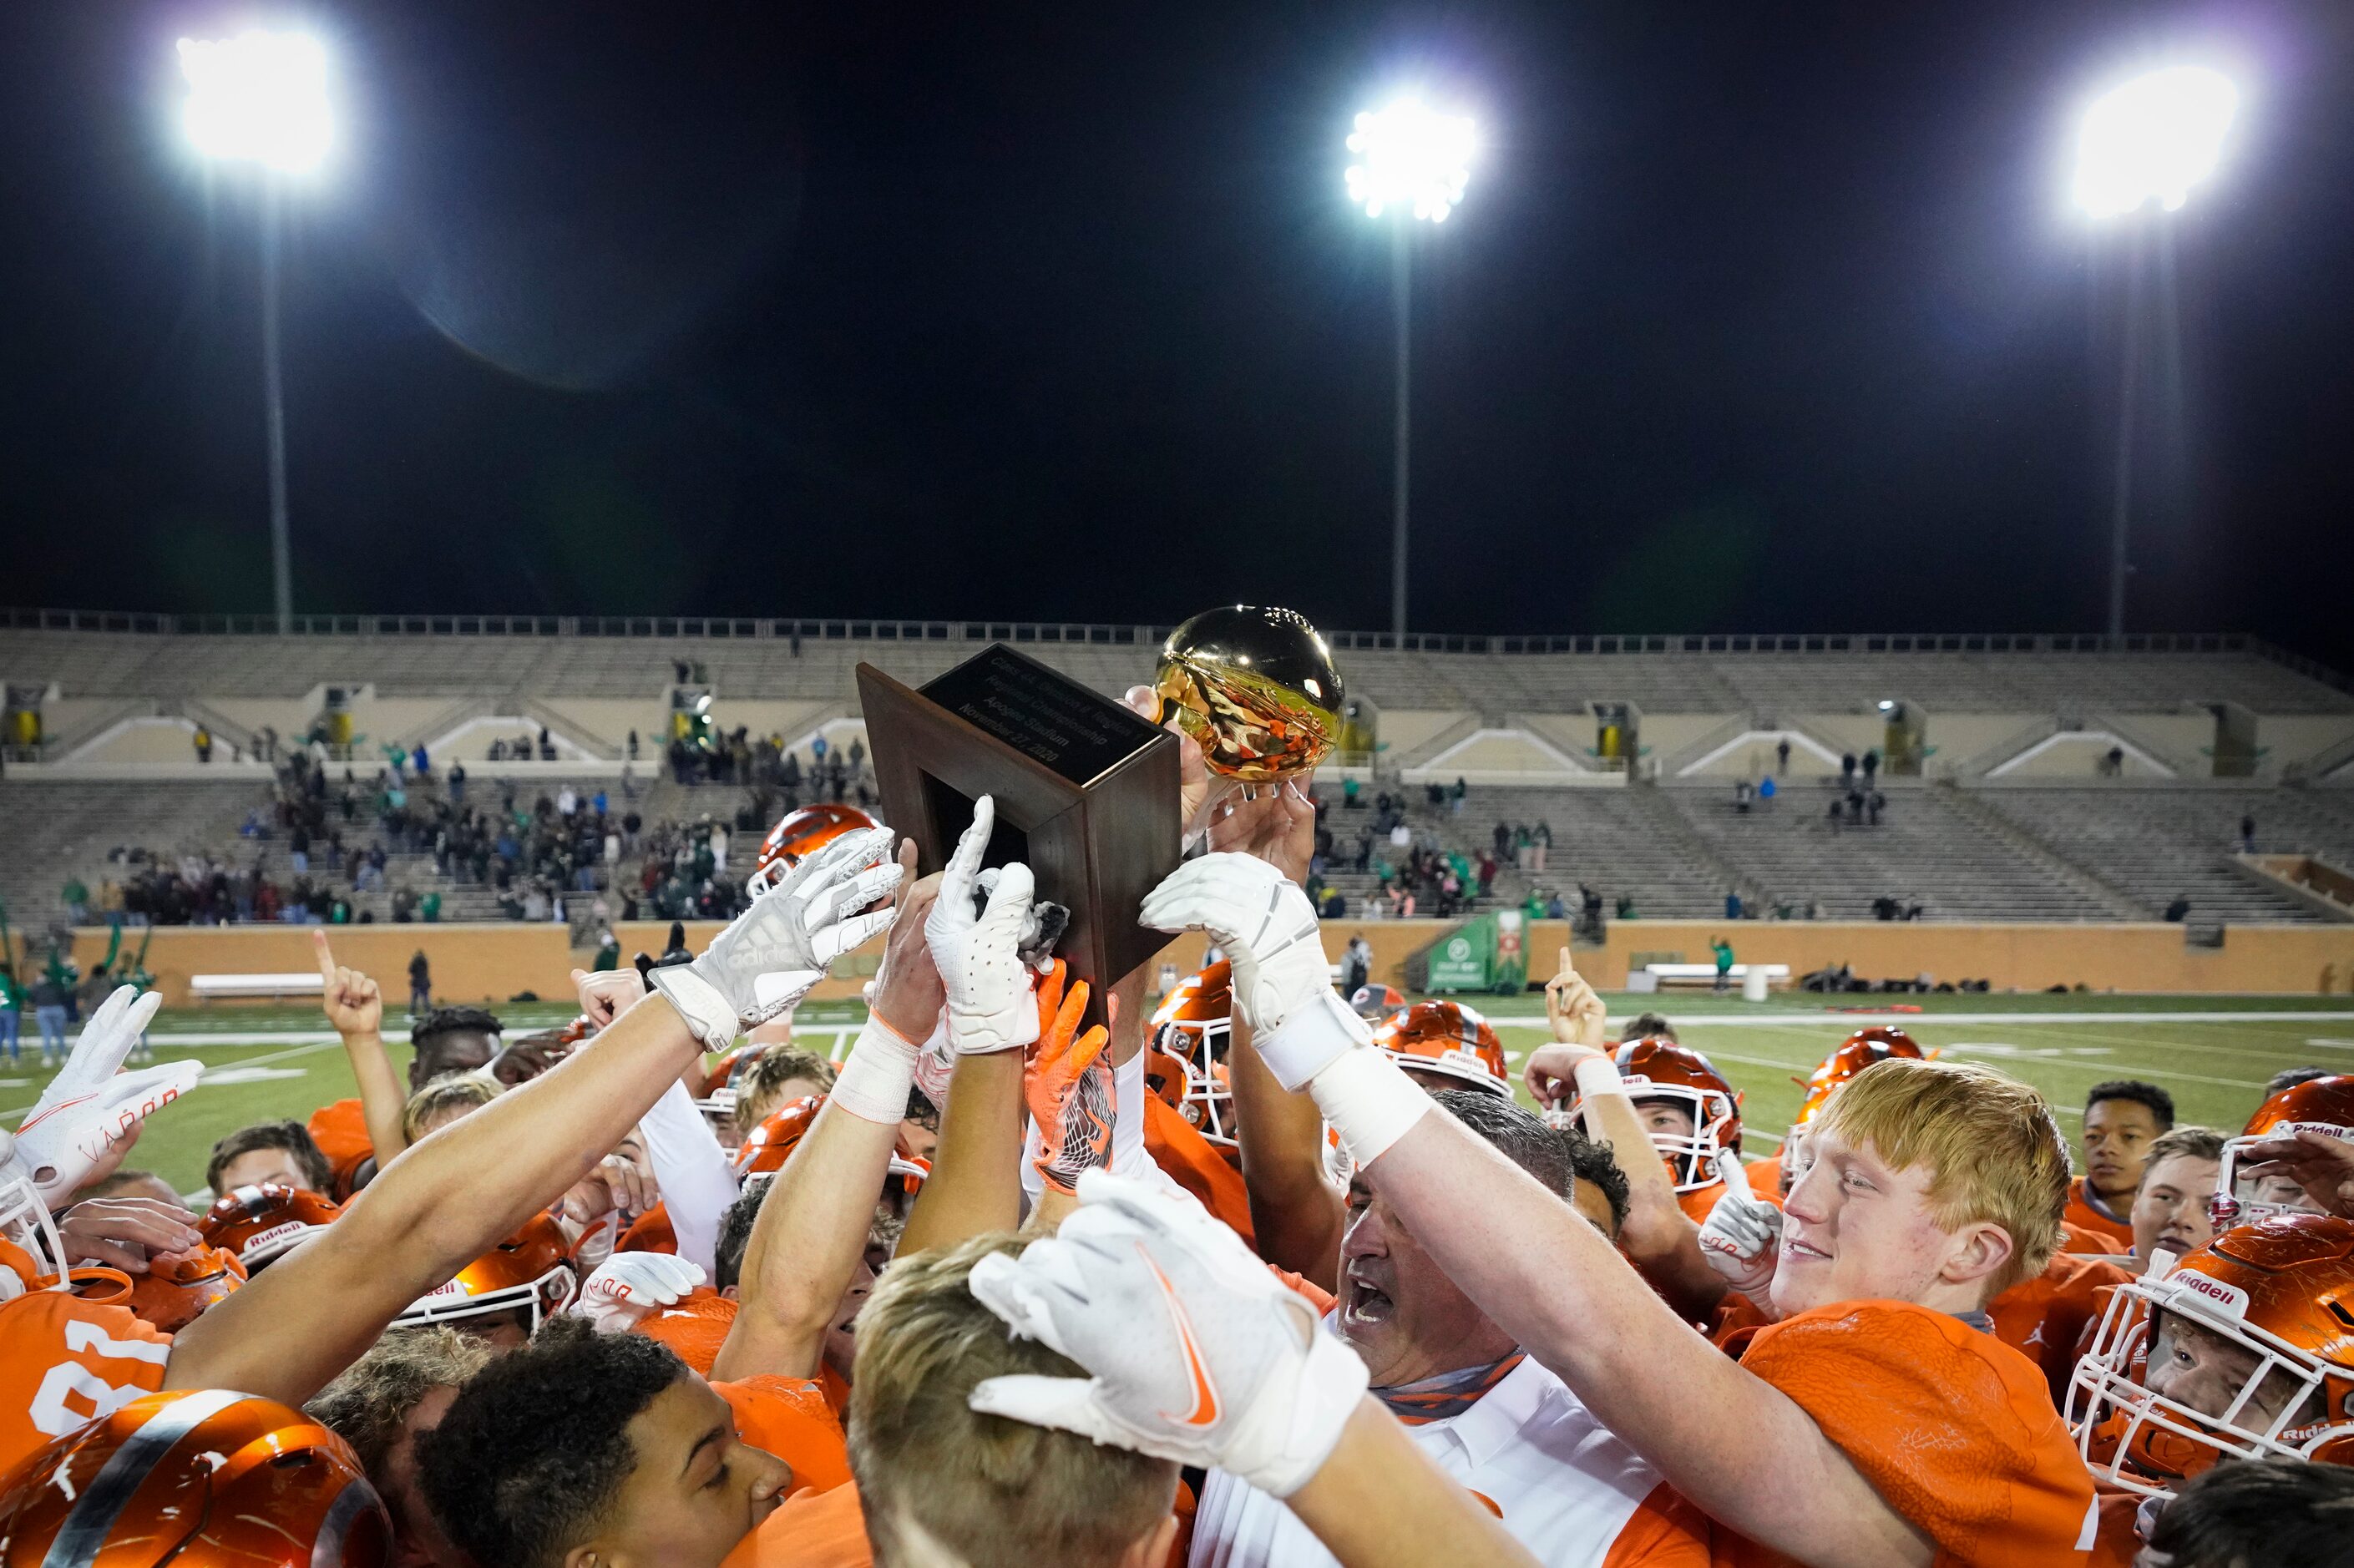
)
(1597, 1075)
(874, 1082)
(1370, 1102)
(710, 1017)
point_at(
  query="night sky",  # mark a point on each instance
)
(1756, 318)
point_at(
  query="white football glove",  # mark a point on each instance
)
(1198, 1353)
(630, 1286)
(992, 1005)
(796, 930)
(89, 1106)
(1743, 1238)
(1283, 982)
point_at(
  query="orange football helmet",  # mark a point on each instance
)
(2273, 1302)
(175, 1292)
(260, 1223)
(1449, 1039)
(768, 1146)
(2318, 1105)
(1195, 1023)
(1663, 1070)
(1856, 1052)
(799, 834)
(718, 1096)
(196, 1479)
(1375, 1003)
(530, 1272)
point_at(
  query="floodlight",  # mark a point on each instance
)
(260, 97)
(2155, 137)
(1411, 156)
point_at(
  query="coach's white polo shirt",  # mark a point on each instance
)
(1566, 1487)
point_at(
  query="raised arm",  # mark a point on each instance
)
(1658, 1238)
(355, 1006)
(812, 1226)
(1297, 1214)
(469, 1185)
(1735, 1446)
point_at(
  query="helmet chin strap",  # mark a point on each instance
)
(25, 1219)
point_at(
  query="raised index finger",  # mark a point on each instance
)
(326, 958)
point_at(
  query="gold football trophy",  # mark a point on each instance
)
(1256, 689)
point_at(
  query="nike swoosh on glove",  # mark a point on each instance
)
(1742, 1237)
(1282, 980)
(629, 1285)
(988, 985)
(90, 1105)
(796, 930)
(1197, 1352)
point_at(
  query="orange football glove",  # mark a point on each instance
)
(1066, 1082)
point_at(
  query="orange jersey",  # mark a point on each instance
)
(1954, 1429)
(2081, 1213)
(341, 1132)
(1766, 1174)
(1196, 1165)
(2076, 1238)
(811, 1530)
(789, 1418)
(695, 1328)
(650, 1231)
(2043, 1317)
(66, 1360)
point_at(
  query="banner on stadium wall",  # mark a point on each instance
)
(1488, 954)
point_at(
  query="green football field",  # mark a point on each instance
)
(2213, 1054)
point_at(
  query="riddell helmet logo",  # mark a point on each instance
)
(262, 1239)
(2291, 1129)
(2229, 1298)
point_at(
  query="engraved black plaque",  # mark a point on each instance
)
(1085, 791)
(1042, 712)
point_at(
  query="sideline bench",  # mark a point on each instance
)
(1705, 974)
(205, 988)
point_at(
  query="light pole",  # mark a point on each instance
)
(261, 98)
(1413, 163)
(2150, 140)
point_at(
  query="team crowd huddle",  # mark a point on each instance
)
(1253, 1273)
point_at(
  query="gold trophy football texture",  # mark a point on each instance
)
(1256, 688)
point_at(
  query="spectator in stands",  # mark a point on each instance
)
(1540, 844)
(204, 743)
(1356, 964)
(1625, 909)
(1871, 766)
(1741, 793)
(1782, 755)
(2247, 833)
(1847, 771)
(1872, 804)
(1765, 790)
(52, 994)
(1733, 904)
(417, 762)
(1503, 837)
(75, 896)
(274, 1151)
(2123, 1119)
(12, 1010)
(2179, 909)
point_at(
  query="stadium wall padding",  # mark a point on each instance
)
(474, 963)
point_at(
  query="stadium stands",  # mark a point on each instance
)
(2011, 822)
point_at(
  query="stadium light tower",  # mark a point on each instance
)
(2151, 140)
(261, 98)
(1412, 165)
